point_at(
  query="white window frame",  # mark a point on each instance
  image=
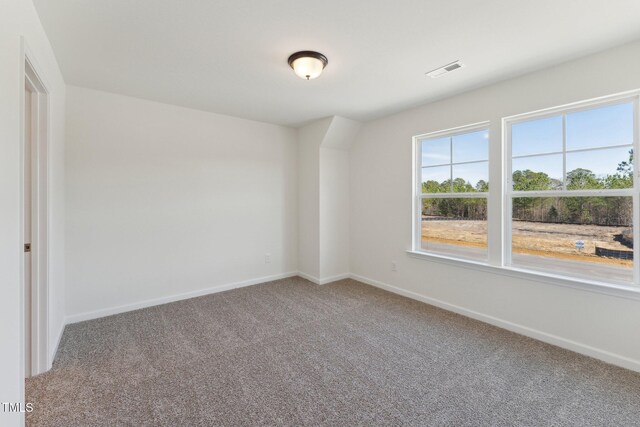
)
(563, 111)
(499, 231)
(419, 195)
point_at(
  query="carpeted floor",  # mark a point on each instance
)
(293, 353)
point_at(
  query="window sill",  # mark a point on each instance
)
(622, 291)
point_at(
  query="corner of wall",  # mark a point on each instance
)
(324, 198)
(55, 343)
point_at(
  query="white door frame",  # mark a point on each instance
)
(40, 132)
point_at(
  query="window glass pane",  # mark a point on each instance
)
(470, 147)
(436, 151)
(537, 173)
(599, 169)
(537, 136)
(455, 227)
(436, 179)
(600, 127)
(471, 177)
(588, 237)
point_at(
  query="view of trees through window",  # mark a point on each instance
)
(570, 192)
(588, 210)
(456, 226)
(452, 167)
(575, 210)
(578, 168)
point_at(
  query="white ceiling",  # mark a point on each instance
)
(230, 57)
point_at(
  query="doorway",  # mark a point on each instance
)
(35, 221)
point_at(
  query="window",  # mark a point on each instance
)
(571, 193)
(451, 192)
(569, 206)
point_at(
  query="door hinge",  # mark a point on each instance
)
(27, 247)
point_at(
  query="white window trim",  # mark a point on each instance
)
(509, 193)
(611, 289)
(631, 291)
(418, 195)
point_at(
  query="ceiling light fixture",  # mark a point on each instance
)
(308, 64)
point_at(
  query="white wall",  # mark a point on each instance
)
(18, 18)
(334, 198)
(381, 196)
(310, 138)
(165, 201)
(334, 213)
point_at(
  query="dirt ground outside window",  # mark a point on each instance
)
(535, 238)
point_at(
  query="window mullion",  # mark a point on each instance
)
(626, 192)
(564, 152)
(636, 195)
(451, 160)
(454, 196)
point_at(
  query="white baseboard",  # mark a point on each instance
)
(309, 277)
(587, 350)
(89, 315)
(606, 356)
(335, 278)
(324, 281)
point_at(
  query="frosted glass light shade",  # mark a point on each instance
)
(307, 68)
(307, 64)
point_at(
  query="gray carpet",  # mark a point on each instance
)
(293, 353)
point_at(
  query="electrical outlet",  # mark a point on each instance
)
(394, 266)
(267, 258)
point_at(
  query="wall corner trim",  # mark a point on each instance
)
(54, 348)
(309, 277)
(335, 278)
(326, 280)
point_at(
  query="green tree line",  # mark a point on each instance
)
(575, 210)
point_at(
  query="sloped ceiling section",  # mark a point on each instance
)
(230, 57)
(341, 133)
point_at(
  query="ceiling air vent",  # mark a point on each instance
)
(445, 69)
